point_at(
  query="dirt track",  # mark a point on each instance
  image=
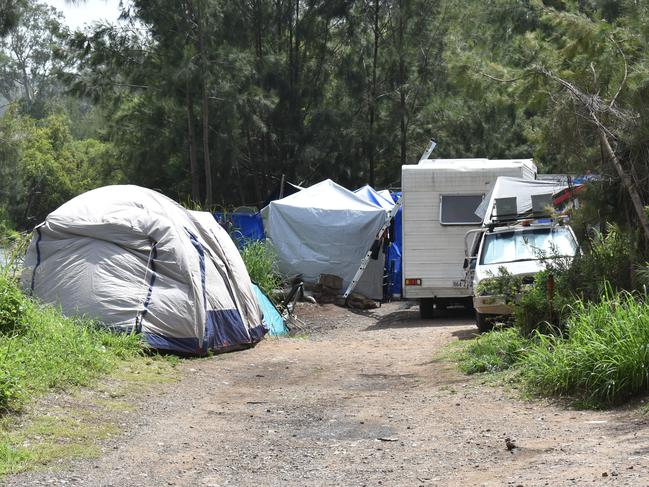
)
(359, 401)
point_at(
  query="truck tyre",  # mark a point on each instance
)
(426, 308)
(483, 322)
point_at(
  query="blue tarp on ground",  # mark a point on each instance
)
(242, 227)
(272, 319)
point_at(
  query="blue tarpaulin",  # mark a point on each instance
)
(242, 227)
(394, 252)
(370, 195)
(272, 319)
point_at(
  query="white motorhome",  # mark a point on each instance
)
(439, 198)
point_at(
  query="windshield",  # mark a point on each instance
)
(527, 244)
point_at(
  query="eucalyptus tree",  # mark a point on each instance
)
(30, 56)
(9, 14)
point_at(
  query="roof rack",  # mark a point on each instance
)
(507, 211)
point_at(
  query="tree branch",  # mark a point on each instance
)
(626, 73)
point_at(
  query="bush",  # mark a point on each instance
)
(494, 351)
(12, 306)
(535, 311)
(41, 349)
(604, 356)
(261, 261)
(607, 262)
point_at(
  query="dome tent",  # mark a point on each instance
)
(135, 259)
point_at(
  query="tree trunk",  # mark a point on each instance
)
(626, 177)
(209, 196)
(27, 89)
(191, 136)
(375, 55)
(627, 181)
(403, 110)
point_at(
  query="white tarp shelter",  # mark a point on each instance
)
(521, 189)
(326, 229)
(135, 259)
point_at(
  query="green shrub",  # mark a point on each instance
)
(534, 310)
(13, 247)
(12, 306)
(494, 351)
(642, 275)
(261, 261)
(605, 262)
(41, 349)
(604, 356)
(6, 227)
(502, 284)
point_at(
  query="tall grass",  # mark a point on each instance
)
(603, 357)
(40, 349)
(261, 261)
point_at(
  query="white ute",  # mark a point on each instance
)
(518, 235)
(520, 249)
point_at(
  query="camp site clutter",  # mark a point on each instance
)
(327, 229)
(135, 260)
(449, 207)
(440, 197)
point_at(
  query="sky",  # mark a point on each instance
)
(86, 12)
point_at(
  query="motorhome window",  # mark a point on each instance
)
(528, 244)
(460, 209)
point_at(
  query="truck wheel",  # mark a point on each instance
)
(484, 323)
(426, 310)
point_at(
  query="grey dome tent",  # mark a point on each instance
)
(135, 259)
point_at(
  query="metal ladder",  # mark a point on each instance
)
(368, 255)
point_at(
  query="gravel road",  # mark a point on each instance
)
(362, 399)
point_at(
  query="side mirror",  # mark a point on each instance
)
(466, 264)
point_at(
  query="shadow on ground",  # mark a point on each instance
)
(409, 318)
(466, 334)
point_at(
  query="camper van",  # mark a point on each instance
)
(440, 197)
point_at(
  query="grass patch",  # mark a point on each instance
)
(52, 351)
(73, 425)
(42, 353)
(495, 351)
